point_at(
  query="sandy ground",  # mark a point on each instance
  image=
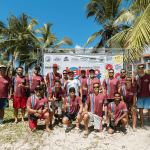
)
(20, 137)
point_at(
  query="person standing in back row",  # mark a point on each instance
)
(5, 84)
(91, 80)
(110, 86)
(83, 81)
(51, 77)
(142, 82)
(73, 83)
(20, 98)
(123, 77)
(34, 79)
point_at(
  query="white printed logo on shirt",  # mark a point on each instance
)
(76, 103)
(146, 80)
(41, 103)
(130, 93)
(5, 81)
(115, 83)
(39, 79)
(100, 101)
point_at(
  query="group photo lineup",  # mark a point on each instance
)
(75, 75)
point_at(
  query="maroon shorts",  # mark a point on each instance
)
(19, 102)
(33, 124)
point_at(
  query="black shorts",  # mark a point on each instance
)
(110, 100)
(113, 127)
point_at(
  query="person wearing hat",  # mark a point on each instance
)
(34, 79)
(55, 98)
(37, 107)
(83, 81)
(73, 105)
(91, 80)
(19, 93)
(73, 83)
(51, 77)
(5, 84)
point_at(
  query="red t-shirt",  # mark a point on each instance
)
(83, 82)
(54, 77)
(98, 103)
(4, 84)
(58, 95)
(63, 81)
(129, 94)
(91, 84)
(113, 87)
(118, 110)
(122, 81)
(74, 104)
(19, 91)
(33, 81)
(144, 85)
(38, 103)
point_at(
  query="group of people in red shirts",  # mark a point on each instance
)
(76, 99)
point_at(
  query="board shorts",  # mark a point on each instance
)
(33, 124)
(71, 116)
(110, 100)
(55, 104)
(143, 102)
(19, 102)
(84, 98)
(97, 120)
(4, 103)
(112, 126)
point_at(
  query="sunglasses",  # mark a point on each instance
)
(96, 87)
(123, 72)
(141, 68)
(129, 80)
(92, 72)
(111, 72)
(72, 91)
(64, 73)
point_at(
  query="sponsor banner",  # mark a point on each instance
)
(101, 64)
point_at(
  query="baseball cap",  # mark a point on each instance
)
(37, 68)
(70, 71)
(38, 87)
(2, 66)
(55, 65)
(71, 88)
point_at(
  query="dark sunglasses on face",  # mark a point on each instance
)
(129, 80)
(92, 72)
(123, 72)
(141, 68)
(111, 72)
(54, 67)
(64, 73)
(96, 87)
(72, 91)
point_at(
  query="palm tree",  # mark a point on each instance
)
(18, 40)
(137, 37)
(106, 12)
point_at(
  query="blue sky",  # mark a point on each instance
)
(68, 15)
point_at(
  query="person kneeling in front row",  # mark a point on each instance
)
(117, 112)
(71, 104)
(37, 107)
(96, 101)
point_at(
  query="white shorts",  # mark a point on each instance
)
(55, 104)
(97, 120)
